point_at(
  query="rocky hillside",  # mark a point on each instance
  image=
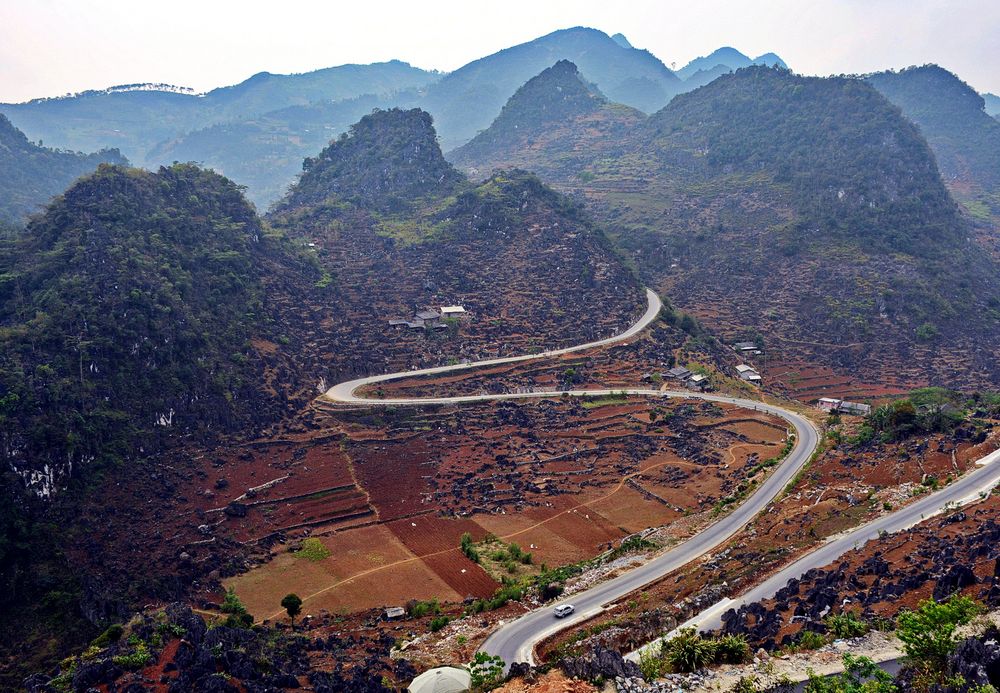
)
(382, 202)
(806, 210)
(555, 121)
(31, 175)
(952, 116)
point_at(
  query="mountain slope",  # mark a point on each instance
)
(126, 311)
(555, 119)
(137, 120)
(807, 210)
(265, 153)
(992, 104)
(381, 202)
(30, 175)
(951, 115)
(468, 99)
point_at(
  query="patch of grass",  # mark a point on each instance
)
(313, 550)
(603, 401)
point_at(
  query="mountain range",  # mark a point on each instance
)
(744, 174)
(275, 121)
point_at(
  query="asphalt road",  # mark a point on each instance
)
(515, 641)
(967, 488)
(344, 392)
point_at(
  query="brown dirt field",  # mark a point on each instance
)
(462, 575)
(429, 534)
(545, 546)
(393, 474)
(632, 511)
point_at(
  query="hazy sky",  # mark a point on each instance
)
(50, 47)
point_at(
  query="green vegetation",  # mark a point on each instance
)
(861, 675)
(603, 400)
(928, 632)
(313, 549)
(420, 609)
(688, 651)
(846, 625)
(238, 616)
(439, 622)
(486, 671)
(468, 547)
(31, 175)
(923, 411)
(292, 604)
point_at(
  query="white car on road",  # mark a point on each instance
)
(563, 610)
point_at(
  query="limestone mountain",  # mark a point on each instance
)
(382, 202)
(470, 98)
(385, 161)
(31, 175)
(952, 116)
(554, 120)
(807, 210)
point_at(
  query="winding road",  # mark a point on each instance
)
(515, 641)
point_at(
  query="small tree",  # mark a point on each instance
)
(238, 617)
(928, 634)
(293, 605)
(486, 671)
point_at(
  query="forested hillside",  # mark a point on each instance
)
(31, 175)
(126, 311)
(806, 210)
(952, 116)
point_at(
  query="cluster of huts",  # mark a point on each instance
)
(429, 318)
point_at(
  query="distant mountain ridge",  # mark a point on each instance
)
(136, 119)
(728, 57)
(258, 131)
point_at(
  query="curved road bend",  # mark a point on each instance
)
(344, 392)
(966, 489)
(515, 641)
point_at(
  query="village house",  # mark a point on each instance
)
(427, 317)
(839, 406)
(452, 311)
(698, 382)
(748, 373)
(679, 373)
(747, 348)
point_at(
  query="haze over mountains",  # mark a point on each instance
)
(279, 120)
